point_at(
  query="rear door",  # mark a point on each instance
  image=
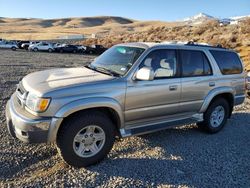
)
(196, 79)
(70, 48)
(44, 46)
(231, 70)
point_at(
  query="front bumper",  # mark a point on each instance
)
(26, 127)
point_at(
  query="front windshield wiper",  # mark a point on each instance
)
(109, 71)
(104, 70)
(89, 66)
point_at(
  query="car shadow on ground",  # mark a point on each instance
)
(188, 156)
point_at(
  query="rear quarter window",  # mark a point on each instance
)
(228, 62)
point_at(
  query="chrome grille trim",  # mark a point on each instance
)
(21, 95)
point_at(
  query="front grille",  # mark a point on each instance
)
(19, 101)
(21, 94)
(20, 88)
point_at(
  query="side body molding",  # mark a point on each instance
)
(82, 104)
(213, 93)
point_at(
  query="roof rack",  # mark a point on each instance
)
(174, 42)
(203, 44)
(191, 43)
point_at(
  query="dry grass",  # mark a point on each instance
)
(231, 36)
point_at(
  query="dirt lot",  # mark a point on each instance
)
(177, 157)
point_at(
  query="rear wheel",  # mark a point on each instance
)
(35, 49)
(216, 116)
(86, 139)
(50, 50)
(13, 48)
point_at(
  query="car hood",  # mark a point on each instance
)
(45, 81)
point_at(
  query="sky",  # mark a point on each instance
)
(164, 10)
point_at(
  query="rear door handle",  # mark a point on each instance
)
(173, 87)
(211, 84)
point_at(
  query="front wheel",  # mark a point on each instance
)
(216, 116)
(86, 139)
(50, 50)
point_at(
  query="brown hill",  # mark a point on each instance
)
(44, 29)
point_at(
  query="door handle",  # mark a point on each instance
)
(173, 87)
(211, 84)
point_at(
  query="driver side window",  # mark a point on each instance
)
(163, 62)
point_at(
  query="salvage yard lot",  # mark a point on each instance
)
(183, 156)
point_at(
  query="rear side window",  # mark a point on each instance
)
(194, 63)
(228, 62)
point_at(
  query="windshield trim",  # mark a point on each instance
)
(129, 69)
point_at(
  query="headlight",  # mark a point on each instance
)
(37, 104)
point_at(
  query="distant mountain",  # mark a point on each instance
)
(79, 22)
(198, 19)
(202, 17)
(44, 29)
(240, 17)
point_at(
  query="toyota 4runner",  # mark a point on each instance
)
(131, 89)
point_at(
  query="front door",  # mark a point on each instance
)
(159, 97)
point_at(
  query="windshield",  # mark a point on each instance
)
(118, 59)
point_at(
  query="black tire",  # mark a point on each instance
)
(61, 51)
(13, 48)
(248, 94)
(35, 49)
(207, 124)
(74, 51)
(50, 50)
(71, 128)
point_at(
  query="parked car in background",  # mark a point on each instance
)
(8, 45)
(81, 48)
(26, 45)
(57, 44)
(19, 44)
(42, 46)
(95, 49)
(67, 48)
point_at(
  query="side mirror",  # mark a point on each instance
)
(145, 73)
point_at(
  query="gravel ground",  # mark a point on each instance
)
(177, 157)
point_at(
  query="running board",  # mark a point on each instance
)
(153, 127)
